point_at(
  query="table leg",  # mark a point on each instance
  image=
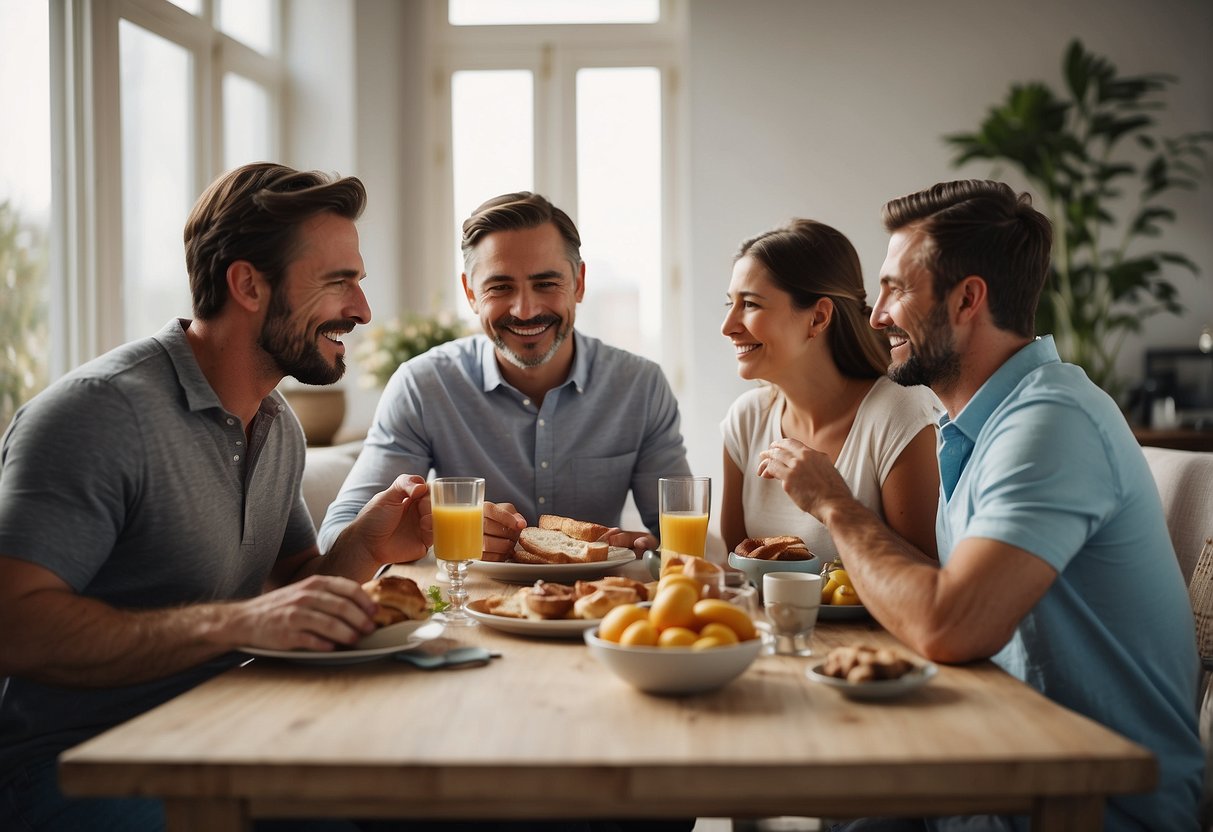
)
(1068, 814)
(216, 815)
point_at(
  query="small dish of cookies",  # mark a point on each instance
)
(865, 672)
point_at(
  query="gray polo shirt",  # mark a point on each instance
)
(129, 480)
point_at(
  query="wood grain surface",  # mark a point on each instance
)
(545, 731)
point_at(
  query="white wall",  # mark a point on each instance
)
(818, 108)
(828, 108)
(355, 107)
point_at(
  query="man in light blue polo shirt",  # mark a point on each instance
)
(555, 421)
(1055, 560)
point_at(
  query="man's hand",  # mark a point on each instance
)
(502, 522)
(396, 526)
(808, 476)
(638, 542)
(317, 613)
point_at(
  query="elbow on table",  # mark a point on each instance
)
(953, 643)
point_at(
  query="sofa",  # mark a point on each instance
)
(323, 474)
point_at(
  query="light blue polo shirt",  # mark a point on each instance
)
(1042, 459)
(611, 427)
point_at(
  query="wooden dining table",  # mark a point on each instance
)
(545, 731)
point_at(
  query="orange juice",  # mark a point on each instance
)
(684, 531)
(458, 532)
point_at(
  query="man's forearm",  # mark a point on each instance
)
(898, 583)
(63, 639)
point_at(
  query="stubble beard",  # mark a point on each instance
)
(294, 352)
(526, 362)
(934, 362)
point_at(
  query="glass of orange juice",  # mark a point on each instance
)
(458, 508)
(684, 503)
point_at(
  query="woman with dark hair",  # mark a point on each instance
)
(798, 319)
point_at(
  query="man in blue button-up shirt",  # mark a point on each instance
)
(555, 421)
(1050, 528)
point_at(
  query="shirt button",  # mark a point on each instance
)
(236, 458)
(542, 423)
(231, 421)
(542, 500)
(527, 402)
(239, 442)
(543, 464)
(281, 408)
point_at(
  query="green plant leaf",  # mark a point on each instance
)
(1068, 149)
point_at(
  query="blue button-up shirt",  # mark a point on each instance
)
(611, 427)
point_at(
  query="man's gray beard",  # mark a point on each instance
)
(526, 363)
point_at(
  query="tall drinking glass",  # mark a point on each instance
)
(458, 508)
(684, 503)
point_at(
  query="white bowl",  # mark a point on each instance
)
(755, 568)
(674, 669)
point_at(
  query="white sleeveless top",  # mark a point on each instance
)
(888, 418)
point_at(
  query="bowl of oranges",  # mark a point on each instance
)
(838, 596)
(683, 642)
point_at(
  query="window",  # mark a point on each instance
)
(536, 95)
(25, 203)
(168, 95)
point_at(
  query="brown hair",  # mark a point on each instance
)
(254, 213)
(979, 227)
(513, 212)
(810, 260)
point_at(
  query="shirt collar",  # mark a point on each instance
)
(578, 375)
(199, 395)
(972, 418)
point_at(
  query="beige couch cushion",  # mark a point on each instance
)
(323, 474)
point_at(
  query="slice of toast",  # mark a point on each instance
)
(552, 546)
(576, 529)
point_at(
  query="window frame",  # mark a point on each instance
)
(86, 127)
(554, 54)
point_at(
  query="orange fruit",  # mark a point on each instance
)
(617, 620)
(845, 596)
(639, 634)
(720, 632)
(714, 610)
(671, 578)
(674, 606)
(677, 637)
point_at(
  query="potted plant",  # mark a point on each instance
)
(1103, 172)
(24, 312)
(384, 348)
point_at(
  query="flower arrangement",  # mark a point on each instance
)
(384, 348)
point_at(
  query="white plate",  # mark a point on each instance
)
(841, 612)
(395, 638)
(528, 573)
(558, 628)
(884, 689)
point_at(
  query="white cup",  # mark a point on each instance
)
(791, 601)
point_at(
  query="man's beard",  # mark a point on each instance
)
(934, 361)
(526, 362)
(295, 352)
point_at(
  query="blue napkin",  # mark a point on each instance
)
(460, 657)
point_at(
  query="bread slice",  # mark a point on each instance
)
(552, 546)
(576, 529)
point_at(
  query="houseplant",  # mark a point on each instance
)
(1095, 157)
(23, 314)
(384, 348)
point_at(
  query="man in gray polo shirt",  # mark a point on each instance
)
(555, 421)
(151, 519)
